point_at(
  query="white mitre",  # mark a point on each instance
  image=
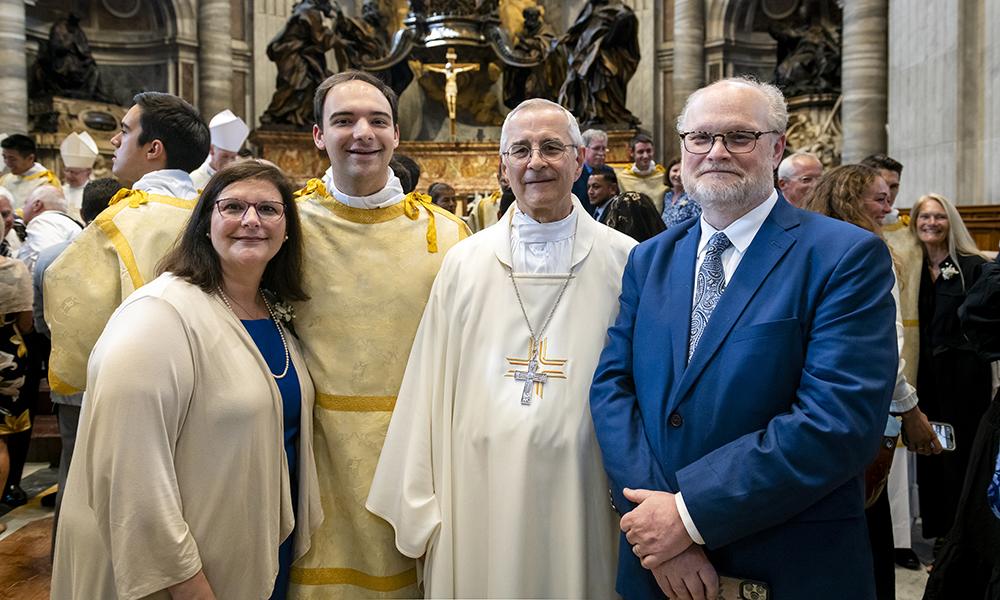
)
(79, 151)
(228, 131)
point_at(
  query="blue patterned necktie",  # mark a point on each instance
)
(709, 285)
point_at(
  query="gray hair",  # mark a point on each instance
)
(777, 110)
(590, 134)
(572, 127)
(5, 193)
(788, 167)
(52, 198)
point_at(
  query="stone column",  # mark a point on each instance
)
(689, 49)
(864, 78)
(13, 69)
(215, 59)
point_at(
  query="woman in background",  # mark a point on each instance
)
(634, 214)
(677, 205)
(954, 383)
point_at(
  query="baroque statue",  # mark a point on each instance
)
(603, 49)
(298, 50)
(536, 40)
(366, 40)
(65, 65)
(808, 54)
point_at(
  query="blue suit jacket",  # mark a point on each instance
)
(768, 429)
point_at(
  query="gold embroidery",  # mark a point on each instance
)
(332, 576)
(356, 403)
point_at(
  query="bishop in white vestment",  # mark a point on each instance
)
(490, 469)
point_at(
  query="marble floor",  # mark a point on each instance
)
(24, 547)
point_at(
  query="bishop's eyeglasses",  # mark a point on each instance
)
(736, 142)
(549, 151)
(235, 210)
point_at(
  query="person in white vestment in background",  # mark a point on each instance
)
(79, 152)
(491, 470)
(47, 223)
(228, 134)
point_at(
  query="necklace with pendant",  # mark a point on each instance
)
(270, 311)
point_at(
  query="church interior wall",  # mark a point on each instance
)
(922, 66)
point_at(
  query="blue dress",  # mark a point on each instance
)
(265, 336)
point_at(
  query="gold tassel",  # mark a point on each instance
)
(411, 208)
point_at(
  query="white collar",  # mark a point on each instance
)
(168, 182)
(741, 231)
(647, 172)
(389, 195)
(529, 231)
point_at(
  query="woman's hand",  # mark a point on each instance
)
(920, 436)
(196, 588)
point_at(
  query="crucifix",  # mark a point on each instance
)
(551, 368)
(530, 378)
(450, 69)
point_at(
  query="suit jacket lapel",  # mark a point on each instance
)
(768, 246)
(680, 291)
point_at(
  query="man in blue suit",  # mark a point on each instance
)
(747, 379)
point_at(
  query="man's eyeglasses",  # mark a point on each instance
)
(235, 210)
(736, 142)
(549, 151)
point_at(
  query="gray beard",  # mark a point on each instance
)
(736, 199)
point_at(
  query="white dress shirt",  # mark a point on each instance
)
(741, 233)
(542, 247)
(389, 195)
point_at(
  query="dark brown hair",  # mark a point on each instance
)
(635, 215)
(839, 194)
(194, 259)
(178, 126)
(343, 77)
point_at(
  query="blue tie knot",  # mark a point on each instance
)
(718, 244)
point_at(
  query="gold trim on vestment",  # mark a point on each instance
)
(105, 221)
(49, 175)
(356, 403)
(911, 323)
(354, 577)
(61, 387)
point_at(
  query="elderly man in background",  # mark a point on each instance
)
(497, 407)
(47, 223)
(79, 152)
(595, 149)
(9, 242)
(798, 174)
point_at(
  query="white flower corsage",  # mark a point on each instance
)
(284, 312)
(948, 271)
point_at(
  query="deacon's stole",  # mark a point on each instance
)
(368, 274)
(109, 260)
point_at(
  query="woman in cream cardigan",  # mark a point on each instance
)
(194, 459)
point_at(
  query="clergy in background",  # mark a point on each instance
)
(161, 141)
(24, 175)
(228, 134)
(78, 152)
(372, 254)
(643, 175)
(491, 470)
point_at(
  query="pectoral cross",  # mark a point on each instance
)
(530, 378)
(552, 368)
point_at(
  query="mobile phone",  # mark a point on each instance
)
(945, 435)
